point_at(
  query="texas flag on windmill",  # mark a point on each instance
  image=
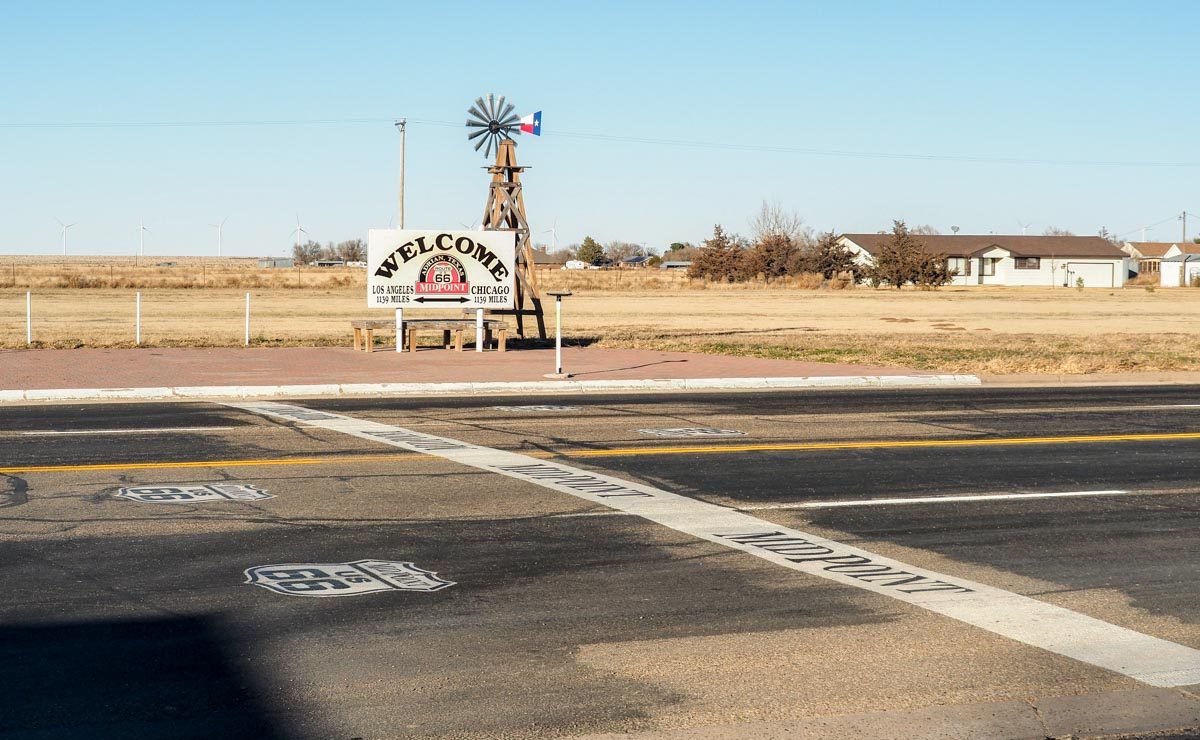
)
(532, 124)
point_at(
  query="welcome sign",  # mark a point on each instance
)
(441, 269)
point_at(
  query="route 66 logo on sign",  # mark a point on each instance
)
(344, 579)
(188, 493)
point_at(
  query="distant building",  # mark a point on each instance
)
(277, 262)
(574, 265)
(676, 265)
(330, 263)
(1179, 270)
(1145, 257)
(635, 262)
(991, 259)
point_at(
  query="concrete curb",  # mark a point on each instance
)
(483, 388)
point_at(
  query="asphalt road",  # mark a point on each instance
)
(531, 612)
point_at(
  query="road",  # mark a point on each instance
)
(700, 565)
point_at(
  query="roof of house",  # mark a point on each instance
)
(965, 245)
(1151, 249)
(636, 260)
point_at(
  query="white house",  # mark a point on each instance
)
(1144, 257)
(1179, 270)
(991, 259)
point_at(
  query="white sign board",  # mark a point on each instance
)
(441, 269)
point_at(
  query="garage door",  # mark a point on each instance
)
(1094, 274)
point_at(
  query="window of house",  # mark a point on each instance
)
(960, 265)
(988, 266)
(1028, 263)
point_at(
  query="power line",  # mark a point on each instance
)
(652, 141)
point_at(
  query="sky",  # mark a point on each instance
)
(660, 119)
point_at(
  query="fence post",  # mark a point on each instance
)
(399, 330)
(247, 318)
(138, 323)
(28, 320)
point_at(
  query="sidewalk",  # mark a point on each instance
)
(181, 372)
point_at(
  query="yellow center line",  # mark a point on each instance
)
(714, 449)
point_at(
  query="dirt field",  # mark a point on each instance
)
(987, 330)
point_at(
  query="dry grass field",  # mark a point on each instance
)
(982, 330)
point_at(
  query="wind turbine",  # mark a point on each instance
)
(553, 232)
(64, 234)
(1024, 227)
(221, 226)
(141, 238)
(299, 230)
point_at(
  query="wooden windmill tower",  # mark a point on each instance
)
(505, 210)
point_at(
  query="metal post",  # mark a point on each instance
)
(247, 319)
(558, 363)
(479, 330)
(138, 323)
(401, 125)
(28, 320)
(399, 330)
(558, 334)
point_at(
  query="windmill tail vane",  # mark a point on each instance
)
(493, 120)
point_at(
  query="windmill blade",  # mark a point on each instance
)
(491, 100)
(477, 123)
(479, 107)
(477, 112)
(481, 141)
(478, 133)
(512, 120)
(488, 153)
(507, 110)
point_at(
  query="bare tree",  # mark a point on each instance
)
(773, 221)
(352, 250)
(924, 230)
(1055, 231)
(617, 251)
(307, 253)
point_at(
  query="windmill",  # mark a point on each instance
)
(299, 230)
(221, 226)
(64, 234)
(142, 238)
(494, 124)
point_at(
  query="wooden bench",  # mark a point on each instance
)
(364, 331)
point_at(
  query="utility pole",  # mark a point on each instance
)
(400, 126)
(1183, 217)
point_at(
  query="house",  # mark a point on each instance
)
(277, 262)
(991, 259)
(676, 265)
(1179, 270)
(1145, 257)
(635, 262)
(329, 263)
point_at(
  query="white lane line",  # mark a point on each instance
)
(928, 500)
(147, 430)
(1148, 659)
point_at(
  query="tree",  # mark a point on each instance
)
(679, 245)
(830, 258)
(589, 251)
(1055, 231)
(775, 255)
(352, 250)
(898, 261)
(617, 251)
(773, 220)
(306, 253)
(719, 258)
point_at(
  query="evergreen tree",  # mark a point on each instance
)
(830, 259)
(589, 251)
(720, 258)
(899, 259)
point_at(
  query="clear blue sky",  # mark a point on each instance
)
(1085, 82)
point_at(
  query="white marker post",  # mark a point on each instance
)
(137, 335)
(479, 330)
(558, 373)
(28, 320)
(247, 319)
(399, 331)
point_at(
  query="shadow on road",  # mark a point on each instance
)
(128, 679)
